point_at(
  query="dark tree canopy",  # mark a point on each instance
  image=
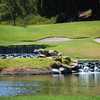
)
(70, 8)
(64, 10)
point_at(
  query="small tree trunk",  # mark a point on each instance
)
(14, 20)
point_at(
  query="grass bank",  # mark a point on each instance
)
(25, 63)
(22, 66)
(51, 98)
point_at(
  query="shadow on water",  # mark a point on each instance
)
(21, 48)
(77, 84)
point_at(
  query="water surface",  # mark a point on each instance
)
(78, 84)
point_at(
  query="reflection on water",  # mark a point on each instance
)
(89, 80)
(78, 84)
(9, 88)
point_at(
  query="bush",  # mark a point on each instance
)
(67, 60)
(37, 19)
(34, 19)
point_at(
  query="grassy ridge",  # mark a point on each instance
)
(51, 98)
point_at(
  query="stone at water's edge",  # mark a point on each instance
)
(93, 66)
(88, 66)
(81, 66)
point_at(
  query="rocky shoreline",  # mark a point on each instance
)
(60, 64)
(91, 65)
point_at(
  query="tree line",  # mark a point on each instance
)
(12, 9)
(42, 10)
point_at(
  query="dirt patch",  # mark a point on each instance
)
(25, 71)
(54, 40)
(97, 40)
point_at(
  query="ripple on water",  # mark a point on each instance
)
(77, 84)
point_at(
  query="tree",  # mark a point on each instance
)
(17, 8)
(67, 10)
(8, 10)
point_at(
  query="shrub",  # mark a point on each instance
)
(34, 19)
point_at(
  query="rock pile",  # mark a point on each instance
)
(64, 65)
(47, 53)
(36, 53)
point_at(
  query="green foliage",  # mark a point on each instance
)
(66, 10)
(21, 12)
(34, 19)
(67, 60)
(11, 9)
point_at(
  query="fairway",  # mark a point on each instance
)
(82, 34)
(13, 34)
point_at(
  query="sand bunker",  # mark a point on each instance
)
(54, 40)
(97, 40)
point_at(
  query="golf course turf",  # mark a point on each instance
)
(82, 46)
(82, 35)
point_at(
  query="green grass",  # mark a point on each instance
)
(85, 48)
(77, 48)
(11, 34)
(23, 63)
(51, 98)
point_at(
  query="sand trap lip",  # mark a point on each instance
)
(54, 40)
(97, 40)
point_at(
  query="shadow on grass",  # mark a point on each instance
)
(21, 48)
(81, 38)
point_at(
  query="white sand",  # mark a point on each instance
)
(54, 40)
(97, 40)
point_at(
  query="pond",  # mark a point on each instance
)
(76, 84)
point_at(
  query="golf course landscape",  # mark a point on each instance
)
(82, 35)
(76, 40)
(49, 49)
(81, 42)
